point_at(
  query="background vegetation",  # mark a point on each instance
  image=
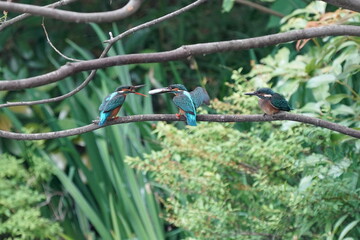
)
(222, 181)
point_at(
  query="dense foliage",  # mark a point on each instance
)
(21, 198)
(223, 181)
(270, 180)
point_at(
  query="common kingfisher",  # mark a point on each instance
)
(187, 102)
(271, 102)
(112, 103)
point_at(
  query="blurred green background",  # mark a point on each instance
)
(279, 180)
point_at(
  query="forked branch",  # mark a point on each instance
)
(69, 16)
(172, 118)
(103, 54)
(180, 53)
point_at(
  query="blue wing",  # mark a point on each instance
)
(279, 102)
(111, 102)
(185, 103)
(200, 96)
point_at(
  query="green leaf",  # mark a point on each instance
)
(339, 222)
(320, 80)
(336, 98)
(320, 93)
(305, 182)
(339, 168)
(83, 204)
(348, 228)
(343, 110)
(227, 5)
(312, 107)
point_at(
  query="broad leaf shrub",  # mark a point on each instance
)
(275, 179)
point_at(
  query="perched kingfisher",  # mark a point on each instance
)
(112, 103)
(187, 102)
(271, 102)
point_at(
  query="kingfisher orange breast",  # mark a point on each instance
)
(266, 106)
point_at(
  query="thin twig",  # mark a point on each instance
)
(156, 21)
(77, 17)
(25, 15)
(105, 51)
(55, 49)
(180, 53)
(357, 96)
(172, 118)
(260, 8)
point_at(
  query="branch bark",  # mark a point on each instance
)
(110, 42)
(172, 118)
(348, 4)
(157, 20)
(25, 15)
(180, 53)
(69, 16)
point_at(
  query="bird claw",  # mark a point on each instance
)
(177, 115)
(113, 118)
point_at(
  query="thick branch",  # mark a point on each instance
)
(25, 15)
(172, 117)
(68, 16)
(183, 52)
(348, 4)
(105, 51)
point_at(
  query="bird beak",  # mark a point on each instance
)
(132, 90)
(138, 86)
(250, 93)
(160, 90)
(140, 94)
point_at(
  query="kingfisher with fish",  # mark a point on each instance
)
(187, 102)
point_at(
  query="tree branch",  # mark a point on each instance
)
(105, 51)
(172, 118)
(183, 52)
(157, 20)
(348, 4)
(260, 8)
(25, 15)
(53, 47)
(68, 16)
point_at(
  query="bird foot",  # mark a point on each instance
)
(113, 118)
(178, 115)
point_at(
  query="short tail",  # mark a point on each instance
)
(191, 119)
(103, 117)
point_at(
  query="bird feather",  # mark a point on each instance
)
(200, 96)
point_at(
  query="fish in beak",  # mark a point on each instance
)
(160, 90)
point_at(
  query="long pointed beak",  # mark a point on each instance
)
(133, 88)
(250, 93)
(138, 86)
(140, 94)
(159, 90)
